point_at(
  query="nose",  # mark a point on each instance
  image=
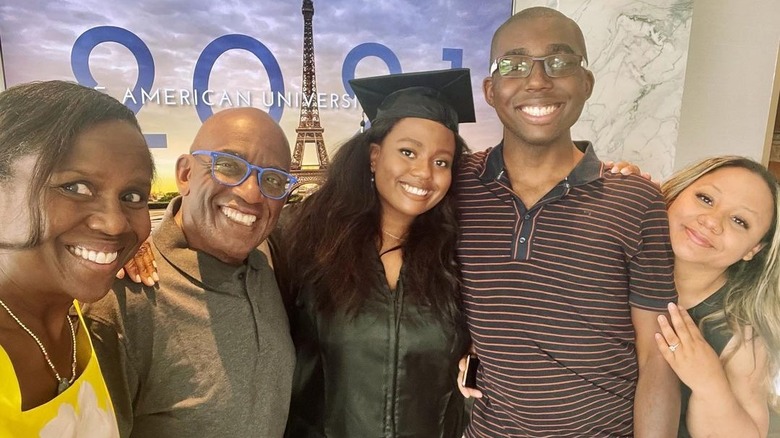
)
(249, 190)
(538, 78)
(712, 222)
(109, 218)
(422, 169)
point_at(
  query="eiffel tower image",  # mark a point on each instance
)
(309, 130)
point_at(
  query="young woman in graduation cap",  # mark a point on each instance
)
(376, 312)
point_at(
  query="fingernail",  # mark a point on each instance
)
(155, 276)
(154, 263)
(137, 278)
(625, 171)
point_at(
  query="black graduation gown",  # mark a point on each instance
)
(388, 371)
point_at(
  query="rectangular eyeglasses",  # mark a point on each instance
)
(557, 65)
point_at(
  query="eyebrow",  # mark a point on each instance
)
(233, 152)
(551, 49)
(750, 210)
(243, 157)
(437, 151)
(90, 175)
(710, 186)
(410, 140)
(714, 187)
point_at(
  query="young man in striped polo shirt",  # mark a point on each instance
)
(566, 266)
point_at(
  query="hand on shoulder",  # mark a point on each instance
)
(142, 268)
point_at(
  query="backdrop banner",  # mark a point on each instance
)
(177, 62)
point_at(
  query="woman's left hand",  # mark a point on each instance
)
(685, 349)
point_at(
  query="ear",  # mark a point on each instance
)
(752, 253)
(184, 173)
(487, 89)
(373, 155)
(590, 81)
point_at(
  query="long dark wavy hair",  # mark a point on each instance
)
(330, 240)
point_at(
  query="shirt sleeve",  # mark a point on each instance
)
(651, 268)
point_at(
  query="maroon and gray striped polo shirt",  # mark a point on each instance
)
(548, 292)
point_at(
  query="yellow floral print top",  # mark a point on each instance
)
(83, 410)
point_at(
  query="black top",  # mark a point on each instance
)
(388, 371)
(716, 336)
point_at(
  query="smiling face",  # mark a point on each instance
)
(95, 213)
(229, 222)
(538, 110)
(721, 218)
(412, 168)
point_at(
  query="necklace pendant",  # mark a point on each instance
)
(62, 386)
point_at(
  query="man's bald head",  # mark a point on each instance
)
(537, 13)
(242, 123)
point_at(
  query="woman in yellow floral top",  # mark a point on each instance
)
(75, 176)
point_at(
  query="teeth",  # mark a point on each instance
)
(237, 216)
(538, 111)
(415, 190)
(99, 257)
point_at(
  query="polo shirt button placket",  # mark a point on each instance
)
(522, 240)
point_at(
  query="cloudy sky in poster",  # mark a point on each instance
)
(38, 36)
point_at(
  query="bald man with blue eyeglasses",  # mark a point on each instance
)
(207, 351)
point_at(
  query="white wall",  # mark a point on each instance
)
(730, 92)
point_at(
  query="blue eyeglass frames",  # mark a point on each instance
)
(231, 170)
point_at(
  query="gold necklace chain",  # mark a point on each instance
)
(393, 236)
(62, 382)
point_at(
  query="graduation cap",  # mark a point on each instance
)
(443, 96)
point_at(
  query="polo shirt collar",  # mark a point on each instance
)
(589, 169)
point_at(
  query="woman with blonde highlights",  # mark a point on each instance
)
(723, 340)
